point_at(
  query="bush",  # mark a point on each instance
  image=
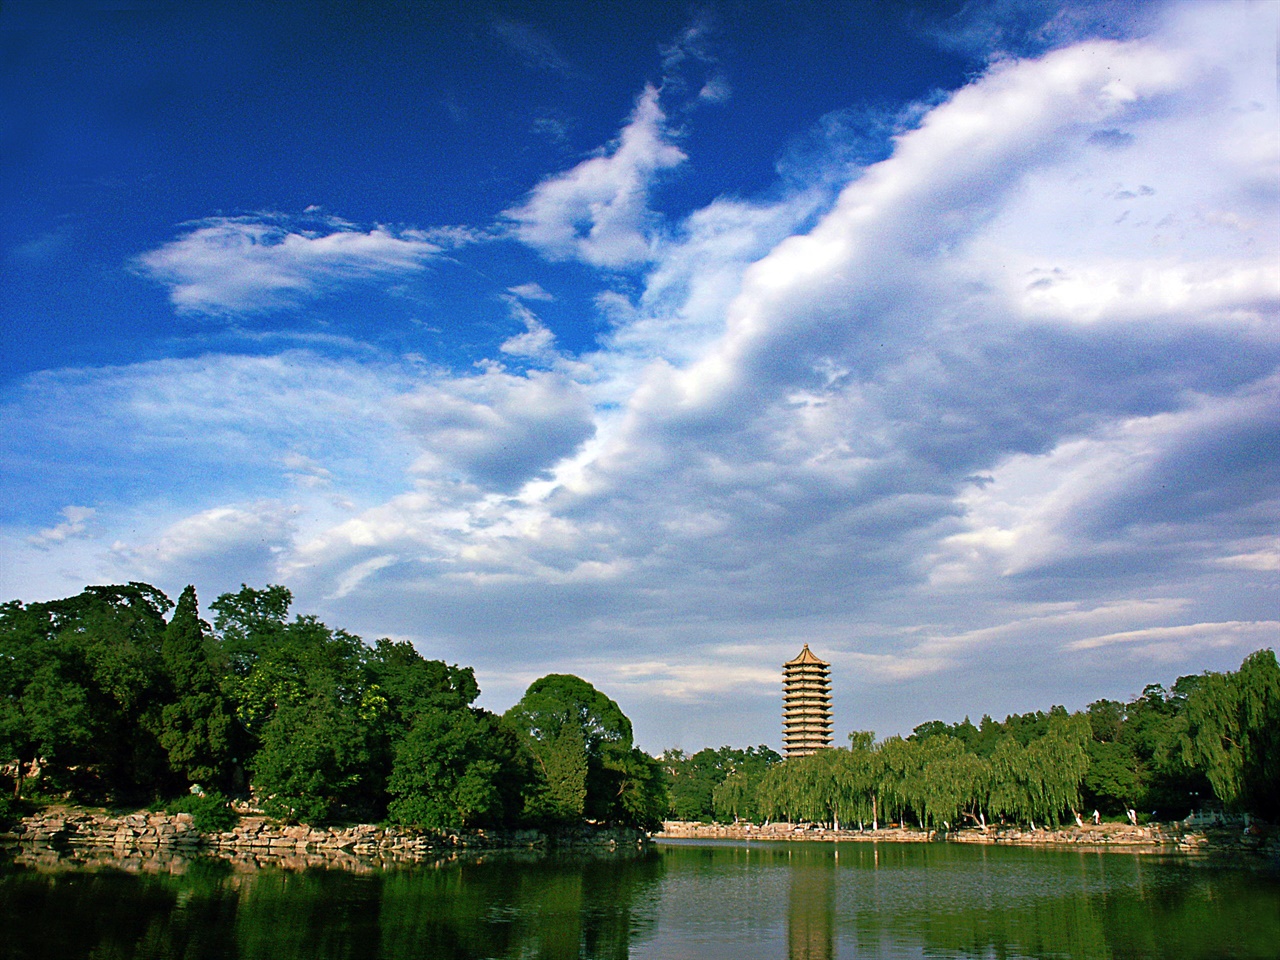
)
(210, 813)
(8, 810)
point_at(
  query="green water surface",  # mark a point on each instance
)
(680, 900)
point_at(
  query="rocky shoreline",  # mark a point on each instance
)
(72, 836)
(1156, 837)
(258, 841)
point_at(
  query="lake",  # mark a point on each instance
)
(800, 901)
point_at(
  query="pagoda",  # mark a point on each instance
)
(806, 705)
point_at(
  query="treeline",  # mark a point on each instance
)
(109, 697)
(1212, 741)
(119, 695)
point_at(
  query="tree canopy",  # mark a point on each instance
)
(104, 699)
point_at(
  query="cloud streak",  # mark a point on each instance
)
(244, 265)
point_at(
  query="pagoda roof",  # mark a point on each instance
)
(806, 656)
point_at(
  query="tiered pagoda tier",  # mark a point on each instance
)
(806, 705)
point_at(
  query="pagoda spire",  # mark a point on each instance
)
(806, 704)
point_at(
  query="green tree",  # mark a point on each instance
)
(1111, 783)
(694, 782)
(119, 630)
(566, 775)
(84, 688)
(859, 771)
(248, 622)
(311, 760)
(556, 713)
(1231, 730)
(641, 788)
(305, 700)
(196, 725)
(448, 770)
(735, 797)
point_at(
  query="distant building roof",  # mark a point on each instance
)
(806, 656)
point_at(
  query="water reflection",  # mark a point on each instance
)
(796, 901)
(811, 905)
(559, 907)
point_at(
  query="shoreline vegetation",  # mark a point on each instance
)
(119, 698)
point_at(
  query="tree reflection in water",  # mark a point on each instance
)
(558, 907)
(812, 904)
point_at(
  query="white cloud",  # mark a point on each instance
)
(253, 264)
(598, 211)
(496, 428)
(75, 525)
(1162, 641)
(537, 342)
(360, 572)
(216, 545)
(529, 291)
(1263, 560)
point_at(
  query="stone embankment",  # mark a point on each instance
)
(259, 840)
(1168, 837)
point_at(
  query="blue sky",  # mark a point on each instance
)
(648, 343)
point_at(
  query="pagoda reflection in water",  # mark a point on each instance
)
(812, 906)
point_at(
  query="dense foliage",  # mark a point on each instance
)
(584, 761)
(103, 699)
(1210, 741)
(716, 784)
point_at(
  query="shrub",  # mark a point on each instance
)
(210, 813)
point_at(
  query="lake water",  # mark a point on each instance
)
(680, 900)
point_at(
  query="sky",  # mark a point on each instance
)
(648, 342)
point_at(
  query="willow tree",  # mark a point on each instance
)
(952, 781)
(1231, 730)
(775, 797)
(1061, 760)
(1041, 781)
(859, 772)
(1010, 794)
(734, 796)
(902, 779)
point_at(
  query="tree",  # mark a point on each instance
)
(307, 704)
(1111, 783)
(734, 797)
(1231, 730)
(311, 759)
(566, 775)
(248, 622)
(448, 770)
(860, 770)
(695, 783)
(559, 699)
(196, 725)
(43, 704)
(90, 688)
(558, 712)
(640, 800)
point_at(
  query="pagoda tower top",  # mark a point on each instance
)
(806, 656)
